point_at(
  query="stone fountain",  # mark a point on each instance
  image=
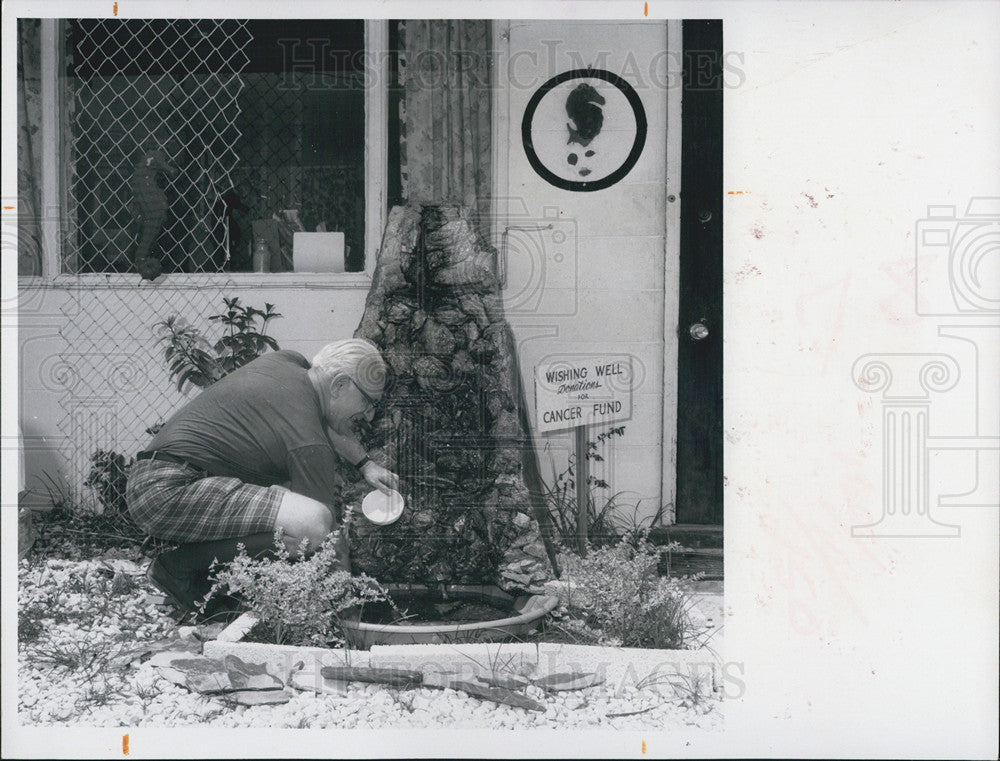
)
(450, 422)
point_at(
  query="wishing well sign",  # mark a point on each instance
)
(572, 391)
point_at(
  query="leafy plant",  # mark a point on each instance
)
(691, 689)
(193, 360)
(617, 590)
(242, 342)
(298, 602)
(187, 354)
(108, 476)
(562, 500)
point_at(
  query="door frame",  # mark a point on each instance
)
(700, 497)
(671, 279)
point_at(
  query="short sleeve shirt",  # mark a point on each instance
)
(263, 424)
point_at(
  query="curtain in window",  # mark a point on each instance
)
(445, 68)
(29, 170)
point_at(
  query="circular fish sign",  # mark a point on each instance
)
(584, 129)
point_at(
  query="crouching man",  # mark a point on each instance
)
(212, 477)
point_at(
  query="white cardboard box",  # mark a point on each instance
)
(318, 252)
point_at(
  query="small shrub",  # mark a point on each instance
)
(298, 602)
(108, 476)
(617, 590)
(187, 354)
(242, 342)
(29, 623)
(190, 357)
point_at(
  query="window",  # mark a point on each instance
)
(195, 142)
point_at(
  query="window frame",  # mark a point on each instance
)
(55, 186)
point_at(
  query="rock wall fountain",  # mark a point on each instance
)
(450, 422)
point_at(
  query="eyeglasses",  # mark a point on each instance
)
(365, 394)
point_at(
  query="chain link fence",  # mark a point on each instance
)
(191, 138)
(113, 380)
(154, 125)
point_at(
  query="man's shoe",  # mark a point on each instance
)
(184, 589)
(182, 573)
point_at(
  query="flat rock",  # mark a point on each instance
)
(392, 676)
(250, 676)
(498, 695)
(259, 697)
(568, 681)
(163, 651)
(317, 683)
(506, 681)
(173, 675)
(205, 675)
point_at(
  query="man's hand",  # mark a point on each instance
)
(379, 477)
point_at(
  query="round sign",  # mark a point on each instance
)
(584, 129)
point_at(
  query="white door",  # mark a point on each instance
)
(586, 269)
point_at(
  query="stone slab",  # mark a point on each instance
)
(621, 668)
(315, 682)
(238, 629)
(258, 698)
(283, 660)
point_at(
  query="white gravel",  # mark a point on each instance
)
(120, 694)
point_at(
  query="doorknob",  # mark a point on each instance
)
(698, 331)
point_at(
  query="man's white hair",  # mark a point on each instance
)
(353, 357)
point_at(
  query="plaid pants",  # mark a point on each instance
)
(183, 504)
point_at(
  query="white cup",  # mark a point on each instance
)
(381, 508)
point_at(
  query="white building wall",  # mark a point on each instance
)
(616, 285)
